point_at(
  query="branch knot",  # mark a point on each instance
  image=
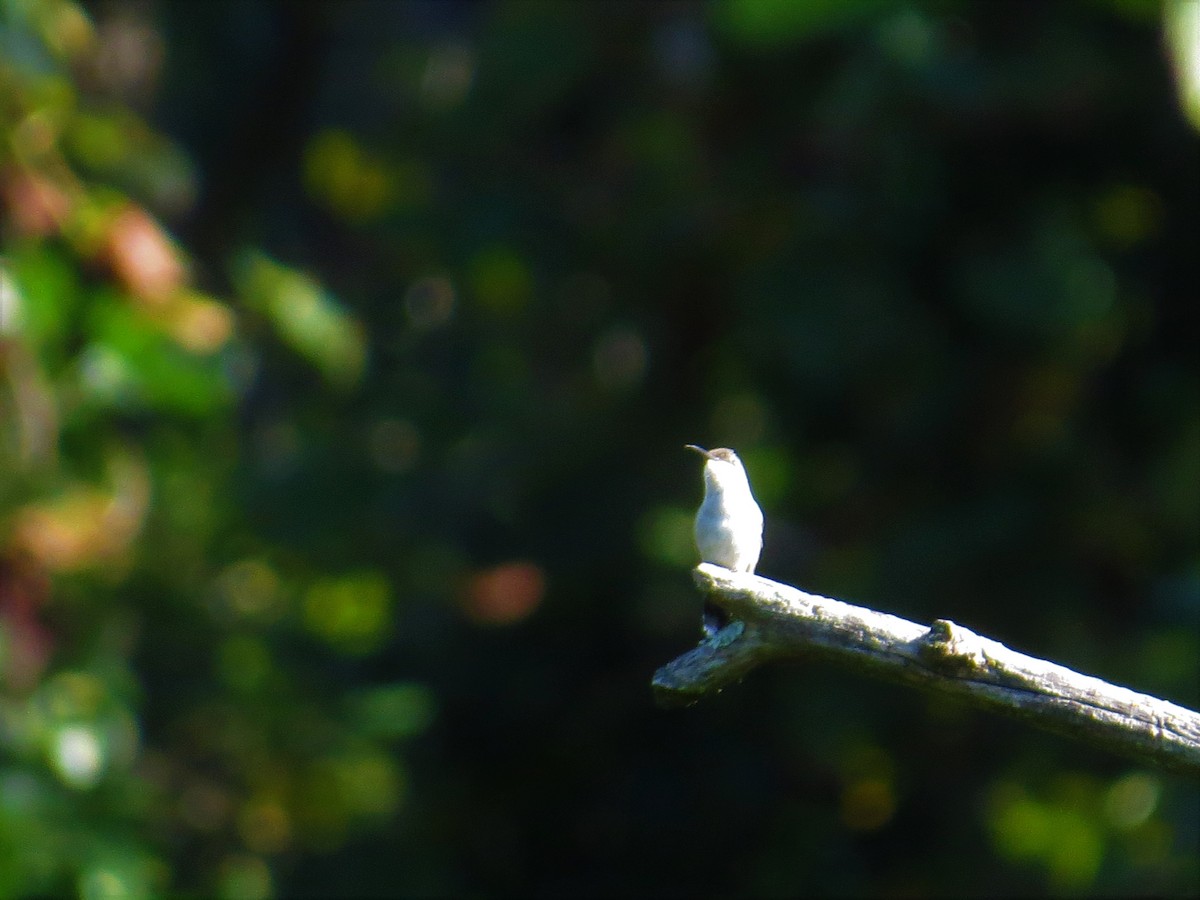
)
(952, 649)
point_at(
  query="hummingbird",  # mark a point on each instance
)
(729, 524)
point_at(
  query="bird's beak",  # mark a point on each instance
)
(699, 450)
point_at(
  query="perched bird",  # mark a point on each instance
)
(729, 524)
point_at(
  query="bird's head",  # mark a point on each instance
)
(722, 468)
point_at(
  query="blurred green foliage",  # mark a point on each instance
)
(347, 351)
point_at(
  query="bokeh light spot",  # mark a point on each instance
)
(1059, 835)
(397, 710)
(85, 526)
(10, 304)
(1020, 829)
(1181, 21)
(245, 878)
(36, 206)
(251, 588)
(505, 594)
(99, 883)
(142, 256)
(78, 756)
(448, 74)
(868, 804)
(199, 324)
(68, 30)
(369, 782)
(264, 825)
(351, 182)
(1076, 853)
(129, 54)
(105, 375)
(307, 318)
(351, 612)
(1131, 801)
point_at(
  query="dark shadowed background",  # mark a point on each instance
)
(347, 355)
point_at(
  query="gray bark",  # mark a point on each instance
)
(772, 621)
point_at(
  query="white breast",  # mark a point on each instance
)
(729, 532)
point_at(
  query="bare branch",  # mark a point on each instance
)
(771, 621)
